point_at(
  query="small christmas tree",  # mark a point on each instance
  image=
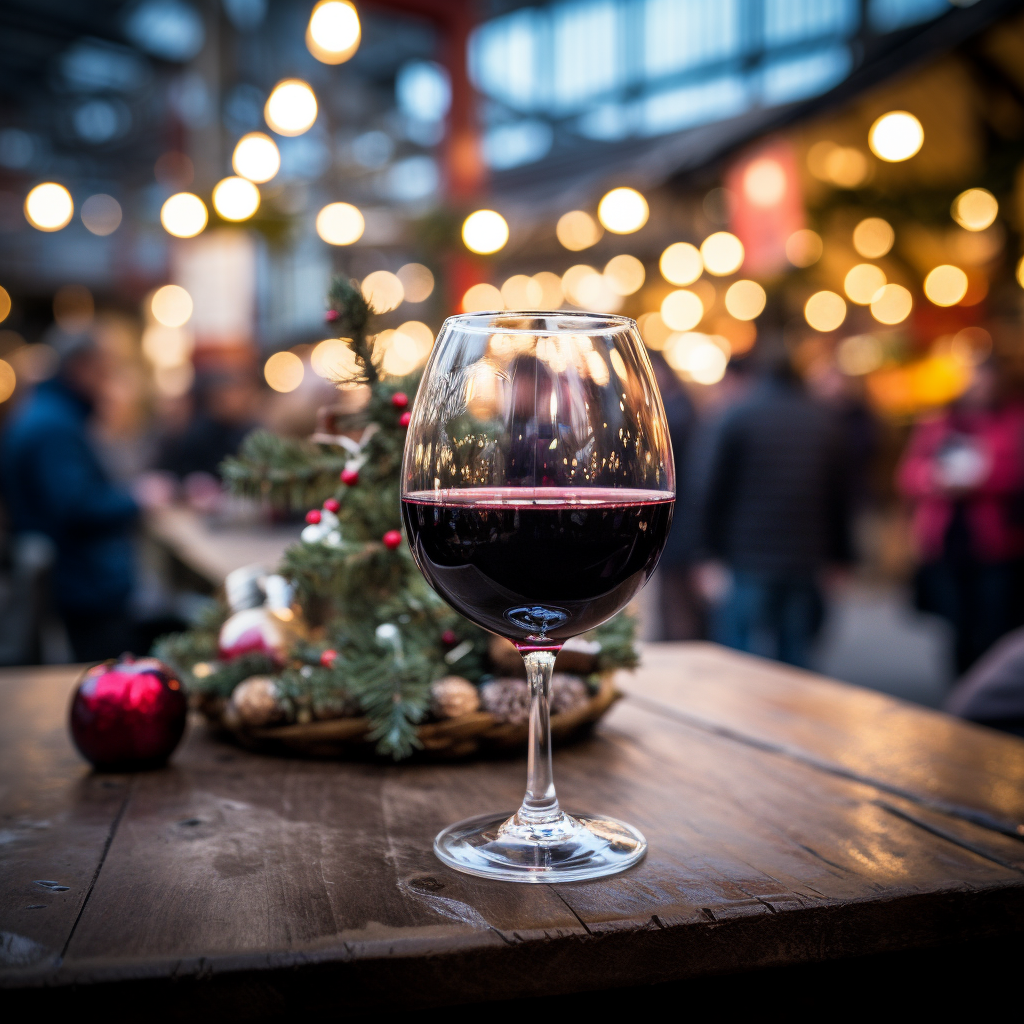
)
(371, 637)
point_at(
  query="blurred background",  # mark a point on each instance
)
(813, 208)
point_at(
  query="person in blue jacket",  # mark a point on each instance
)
(52, 483)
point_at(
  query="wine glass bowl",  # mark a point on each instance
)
(537, 493)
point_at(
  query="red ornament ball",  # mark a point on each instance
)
(332, 504)
(391, 539)
(331, 315)
(327, 657)
(403, 420)
(350, 477)
(448, 638)
(128, 713)
(399, 399)
(313, 515)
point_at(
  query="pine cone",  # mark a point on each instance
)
(567, 693)
(452, 697)
(258, 702)
(507, 699)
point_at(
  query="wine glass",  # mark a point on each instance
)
(537, 493)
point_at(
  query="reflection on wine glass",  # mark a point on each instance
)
(537, 492)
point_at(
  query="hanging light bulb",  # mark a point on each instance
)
(333, 33)
(291, 108)
(256, 157)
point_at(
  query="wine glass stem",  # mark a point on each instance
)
(540, 805)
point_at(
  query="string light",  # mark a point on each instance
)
(171, 305)
(184, 215)
(236, 199)
(256, 157)
(873, 237)
(49, 207)
(896, 136)
(892, 305)
(946, 285)
(825, 311)
(682, 310)
(577, 230)
(623, 211)
(481, 297)
(681, 263)
(340, 224)
(863, 282)
(284, 371)
(484, 232)
(625, 274)
(291, 108)
(804, 248)
(745, 300)
(333, 33)
(722, 253)
(975, 209)
(383, 291)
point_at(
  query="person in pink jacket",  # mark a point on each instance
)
(963, 472)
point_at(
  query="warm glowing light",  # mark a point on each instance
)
(681, 263)
(407, 348)
(5, 304)
(745, 300)
(975, 209)
(383, 291)
(334, 360)
(521, 292)
(946, 285)
(174, 381)
(417, 280)
(843, 166)
(577, 230)
(624, 274)
(623, 211)
(859, 355)
(284, 371)
(595, 292)
(8, 380)
(101, 214)
(49, 207)
(697, 356)
(873, 237)
(256, 157)
(764, 182)
(485, 231)
(550, 284)
(722, 253)
(73, 308)
(1020, 272)
(340, 224)
(236, 199)
(572, 279)
(653, 330)
(184, 215)
(896, 136)
(825, 311)
(682, 310)
(863, 282)
(171, 305)
(291, 108)
(332, 35)
(166, 346)
(804, 247)
(481, 297)
(892, 305)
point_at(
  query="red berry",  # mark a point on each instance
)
(332, 504)
(327, 657)
(313, 515)
(448, 638)
(350, 477)
(391, 539)
(399, 399)
(403, 420)
(331, 315)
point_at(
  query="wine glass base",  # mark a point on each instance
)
(570, 849)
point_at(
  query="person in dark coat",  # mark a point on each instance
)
(53, 483)
(774, 512)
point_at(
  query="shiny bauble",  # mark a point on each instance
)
(128, 714)
(253, 631)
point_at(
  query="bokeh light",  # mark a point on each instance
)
(521, 292)
(284, 371)
(49, 207)
(1019, 273)
(975, 209)
(174, 381)
(946, 285)
(892, 305)
(291, 108)
(334, 360)
(745, 300)
(256, 157)
(873, 237)
(653, 330)
(5, 304)
(682, 310)
(485, 231)
(333, 33)
(33, 363)
(896, 136)
(572, 279)
(722, 253)
(383, 291)
(593, 291)
(73, 308)
(184, 215)
(550, 284)
(236, 199)
(697, 356)
(407, 348)
(101, 214)
(859, 354)
(8, 380)
(863, 282)
(577, 230)
(825, 311)
(681, 263)
(340, 224)
(417, 280)
(480, 297)
(624, 274)
(843, 166)
(171, 305)
(623, 211)
(764, 182)
(166, 346)
(804, 247)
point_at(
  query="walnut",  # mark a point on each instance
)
(258, 702)
(453, 696)
(508, 699)
(567, 693)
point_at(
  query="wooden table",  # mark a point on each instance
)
(791, 820)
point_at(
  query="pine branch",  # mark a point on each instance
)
(350, 313)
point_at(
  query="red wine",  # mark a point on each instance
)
(537, 565)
